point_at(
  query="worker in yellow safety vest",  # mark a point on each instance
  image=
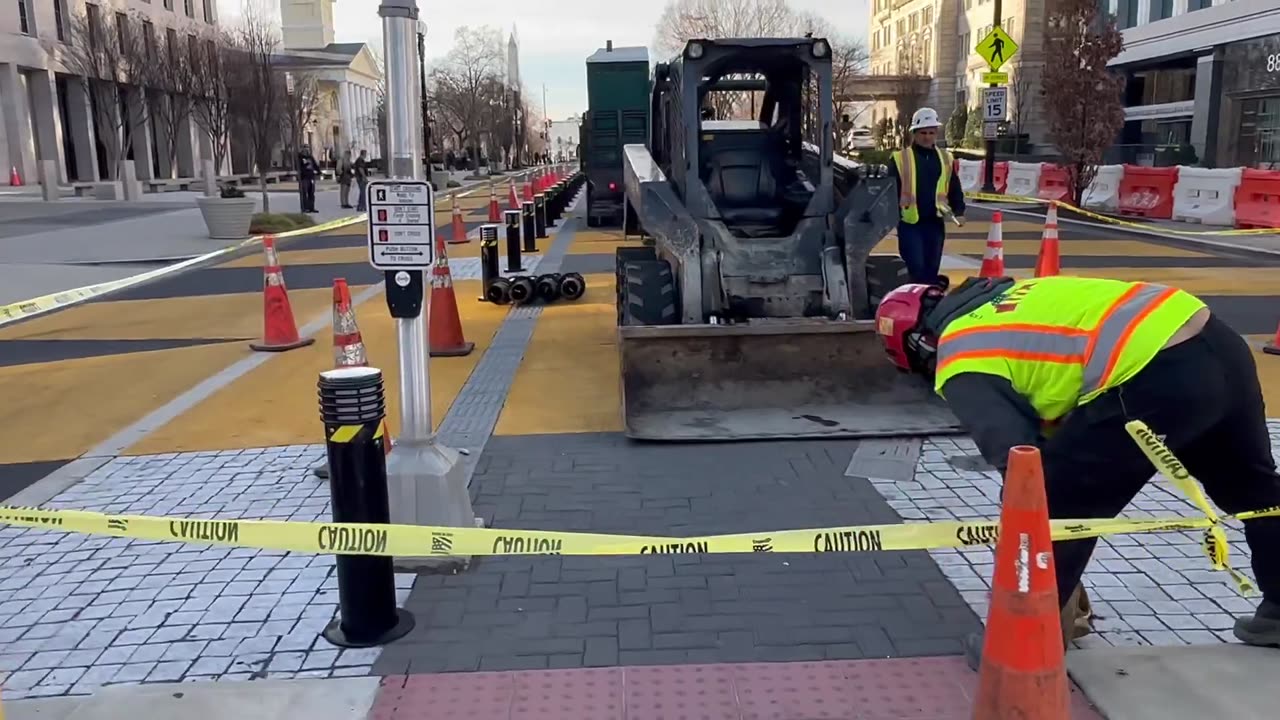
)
(1063, 363)
(928, 191)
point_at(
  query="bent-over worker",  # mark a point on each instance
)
(1085, 356)
(928, 191)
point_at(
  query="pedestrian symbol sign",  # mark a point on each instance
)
(996, 48)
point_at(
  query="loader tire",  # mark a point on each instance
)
(622, 256)
(885, 273)
(649, 295)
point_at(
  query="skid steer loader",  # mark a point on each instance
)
(751, 314)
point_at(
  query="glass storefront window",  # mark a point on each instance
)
(1250, 114)
(1260, 133)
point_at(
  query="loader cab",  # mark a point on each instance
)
(743, 143)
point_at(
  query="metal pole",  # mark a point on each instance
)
(426, 481)
(422, 81)
(989, 172)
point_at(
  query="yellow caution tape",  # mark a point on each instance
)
(423, 541)
(38, 306)
(1023, 200)
(1215, 539)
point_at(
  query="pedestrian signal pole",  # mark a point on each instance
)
(989, 172)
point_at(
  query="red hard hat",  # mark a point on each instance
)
(897, 315)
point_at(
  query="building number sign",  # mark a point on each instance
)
(1273, 62)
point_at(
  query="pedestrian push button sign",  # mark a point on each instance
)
(996, 47)
(401, 225)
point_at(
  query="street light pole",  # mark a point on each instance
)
(989, 172)
(426, 481)
(422, 79)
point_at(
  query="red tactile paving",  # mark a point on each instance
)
(895, 689)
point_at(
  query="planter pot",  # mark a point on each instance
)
(227, 218)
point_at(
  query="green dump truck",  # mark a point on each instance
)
(617, 114)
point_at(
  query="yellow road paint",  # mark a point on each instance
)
(1069, 248)
(68, 407)
(221, 316)
(569, 379)
(275, 403)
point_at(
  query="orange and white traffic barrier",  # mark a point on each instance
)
(446, 338)
(993, 258)
(1049, 262)
(279, 330)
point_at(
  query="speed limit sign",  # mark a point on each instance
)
(995, 103)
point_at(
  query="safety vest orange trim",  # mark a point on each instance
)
(1057, 344)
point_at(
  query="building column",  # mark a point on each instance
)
(345, 113)
(46, 119)
(1208, 107)
(17, 125)
(162, 136)
(80, 117)
(374, 145)
(186, 148)
(139, 132)
(366, 110)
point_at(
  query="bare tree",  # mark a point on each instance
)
(211, 106)
(301, 100)
(909, 94)
(683, 20)
(1022, 85)
(109, 59)
(170, 74)
(1083, 99)
(259, 92)
(458, 82)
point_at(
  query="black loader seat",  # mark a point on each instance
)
(744, 188)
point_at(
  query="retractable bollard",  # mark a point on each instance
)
(513, 241)
(540, 215)
(556, 204)
(352, 406)
(488, 259)
(527, 230)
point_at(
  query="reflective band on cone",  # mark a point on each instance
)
(494, 212)
(513, 199)
(279, 330)
(445, 323)
(458, 231)
(993, 258)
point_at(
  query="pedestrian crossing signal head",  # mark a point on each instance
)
(383, 236)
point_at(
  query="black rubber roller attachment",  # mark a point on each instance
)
(499, 292)
(548, 287)
(572, 286)
(522, 290)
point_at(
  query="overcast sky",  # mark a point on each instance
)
(556, 36)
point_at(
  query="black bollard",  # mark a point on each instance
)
(527, 227)
(556, 204)
(352, 406)
(488, 259)
(513, 240)
(540, 215)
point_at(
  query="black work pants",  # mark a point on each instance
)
(920, 247)
(1204, 396)
(309, 195)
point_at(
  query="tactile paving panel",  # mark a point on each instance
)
(681, 692)
(781, 691)
(893, 689)
(557, 695)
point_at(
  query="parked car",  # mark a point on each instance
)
(861, 139)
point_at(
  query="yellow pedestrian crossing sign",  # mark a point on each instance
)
(996, 48)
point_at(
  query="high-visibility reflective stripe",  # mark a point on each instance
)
(1097, 351)
(1117, 325)
(1041, 345)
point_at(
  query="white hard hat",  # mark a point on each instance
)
(924, 118)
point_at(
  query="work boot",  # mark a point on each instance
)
(1263, 628)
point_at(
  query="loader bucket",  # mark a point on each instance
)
(774, 379)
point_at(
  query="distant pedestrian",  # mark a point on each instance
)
(360, 169)
(308, 172)
(345, 174)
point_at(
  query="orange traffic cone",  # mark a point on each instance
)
(528, 190)
(1273, 348)
(446, 325)
(279, 331)
(14, 178)
(513, 199)
(993, 259)
(495, 215)
(348, 351)
(1049, 263)
(458, 232)
(1023, 672)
